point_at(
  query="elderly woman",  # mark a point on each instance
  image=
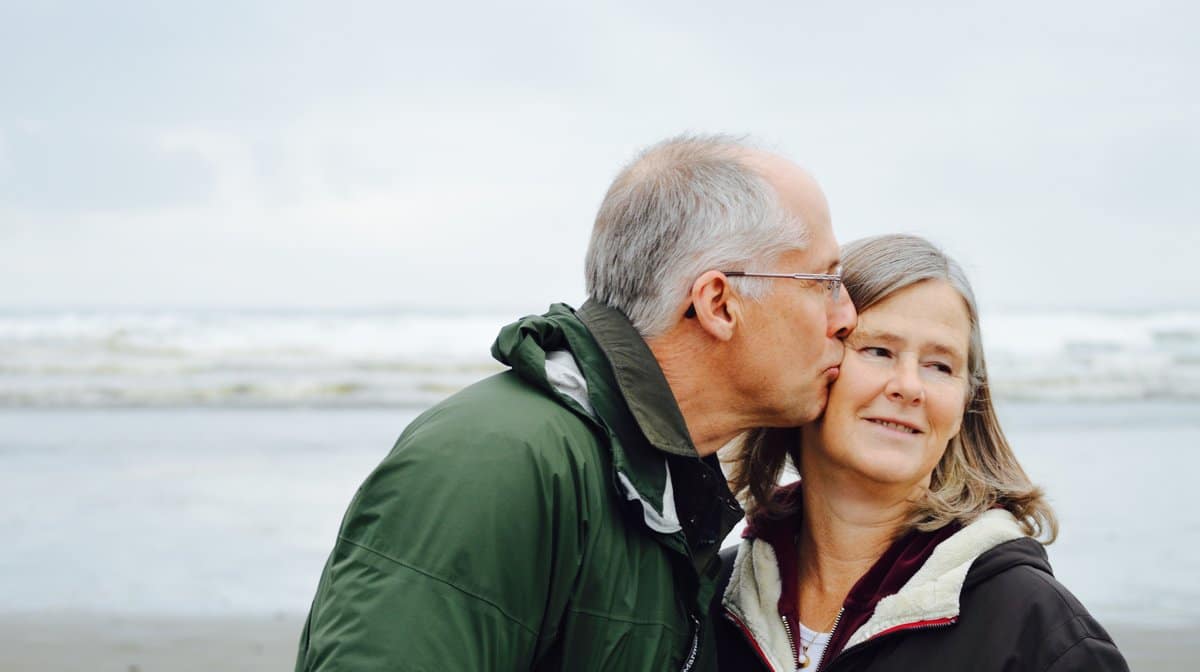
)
(910, 540)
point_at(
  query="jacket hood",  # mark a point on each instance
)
(524, 345)
(1025, 551)
(558, 353)
(594, 362)
(614, 359)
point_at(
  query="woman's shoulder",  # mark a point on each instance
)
(1015, 577)
(1012, 589)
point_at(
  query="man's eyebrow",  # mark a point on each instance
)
(833, 266)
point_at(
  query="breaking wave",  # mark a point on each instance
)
(381, 358)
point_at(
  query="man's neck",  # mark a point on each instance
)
(712, 418)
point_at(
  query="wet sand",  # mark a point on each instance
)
(100, 643)
(49, 642)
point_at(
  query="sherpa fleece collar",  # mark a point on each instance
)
(931, 594)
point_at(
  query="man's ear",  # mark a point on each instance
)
(718, 310)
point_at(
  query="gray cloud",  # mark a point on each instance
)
(310, 155)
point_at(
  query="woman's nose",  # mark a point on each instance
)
(906, 385)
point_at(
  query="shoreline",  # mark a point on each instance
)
(61, 641)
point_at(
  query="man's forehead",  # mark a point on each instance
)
(822, 251)
(798, 191)
(801, 195)
(812, 259)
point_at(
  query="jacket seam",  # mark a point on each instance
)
(1071, 648)
(1041, 575)
(630, 621)
(442, 581)
(1075, 618)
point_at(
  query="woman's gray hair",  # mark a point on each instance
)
(979, 470)
(687, 205)
(875, 268)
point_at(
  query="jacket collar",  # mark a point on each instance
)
(639, 378)
(930, 593)
(613, 381)
(626, 391)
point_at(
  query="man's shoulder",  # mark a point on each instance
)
(499, 415)
(499, 445)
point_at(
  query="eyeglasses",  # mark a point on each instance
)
(833, 282)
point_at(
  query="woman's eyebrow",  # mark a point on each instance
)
(860, 334)
(875, 335)
(947, 350)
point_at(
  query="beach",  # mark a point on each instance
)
(187, 539)
(78, 642)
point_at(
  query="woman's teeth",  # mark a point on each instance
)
(893, 425)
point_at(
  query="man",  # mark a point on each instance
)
(566, 514)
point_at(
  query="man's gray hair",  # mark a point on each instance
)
(687, 205)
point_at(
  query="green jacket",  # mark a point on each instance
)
(551, 517)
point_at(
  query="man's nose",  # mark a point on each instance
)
(842, 316)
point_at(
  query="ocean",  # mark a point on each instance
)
(198, 463)
(410, 359)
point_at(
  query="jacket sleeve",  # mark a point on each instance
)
(457, 553)
(1090, 655)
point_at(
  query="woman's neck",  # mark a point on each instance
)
(844, 532)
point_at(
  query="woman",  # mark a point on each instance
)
(910, 540)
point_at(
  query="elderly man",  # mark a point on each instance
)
(566, 514)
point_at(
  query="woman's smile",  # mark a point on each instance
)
(896, 426)
(902, 391)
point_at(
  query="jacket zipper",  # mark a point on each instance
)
(791, 643)
(795, 645)
(690, 661)
(837, 619)
(920, 625)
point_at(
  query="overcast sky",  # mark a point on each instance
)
(374, 154)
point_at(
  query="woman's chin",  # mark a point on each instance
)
(886, 469)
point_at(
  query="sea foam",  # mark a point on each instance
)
(413, 359)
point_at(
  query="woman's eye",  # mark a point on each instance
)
(874, 351)
(941, 367)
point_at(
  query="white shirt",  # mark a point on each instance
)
(816, 643)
